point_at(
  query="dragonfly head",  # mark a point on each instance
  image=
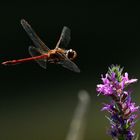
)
(71, 54)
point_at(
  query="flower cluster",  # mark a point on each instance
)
(121, 108)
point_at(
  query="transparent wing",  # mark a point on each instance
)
(36, 52)
(64, 38)
(69, 65)
(33, 36)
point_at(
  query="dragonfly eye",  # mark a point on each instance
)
(71, 54)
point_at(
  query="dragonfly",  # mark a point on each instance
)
(43, 55)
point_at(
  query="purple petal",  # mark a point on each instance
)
(105, 89)
(126, 80)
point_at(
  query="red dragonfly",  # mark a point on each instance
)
(42, 54)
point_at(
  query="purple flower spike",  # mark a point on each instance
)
(121, 109)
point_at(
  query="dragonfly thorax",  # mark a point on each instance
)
(71, 54)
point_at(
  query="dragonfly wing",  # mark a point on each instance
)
(64, 38)
(36, 52)
(33, 36)
(69, 65)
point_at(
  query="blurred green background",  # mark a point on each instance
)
(38, 104)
